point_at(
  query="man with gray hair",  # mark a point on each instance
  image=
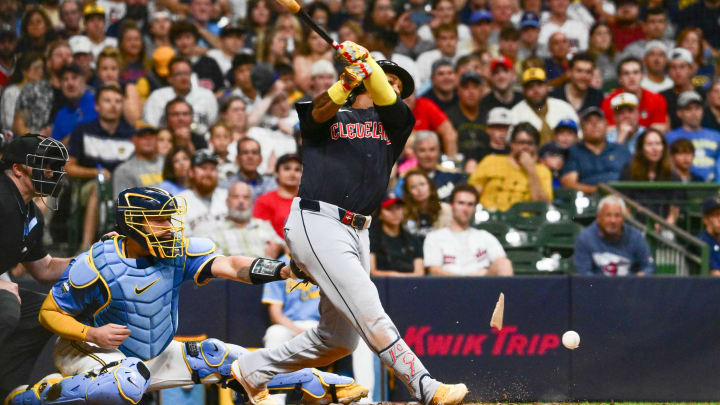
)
(610, 247)
(238, 232)
(322, 76)
(427, 153)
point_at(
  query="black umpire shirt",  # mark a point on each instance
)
(22, 227)
(347, 160)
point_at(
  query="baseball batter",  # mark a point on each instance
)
(352, 136)
(116, 311)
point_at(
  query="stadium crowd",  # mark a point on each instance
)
(514, 99)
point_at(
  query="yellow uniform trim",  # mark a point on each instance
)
(227, 351)
(269, 301)
(119, 247)
(119, 386)
(87, 352)
(107, 288)
(202, 266)
(185, 360)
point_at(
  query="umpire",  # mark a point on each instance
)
(33, 166)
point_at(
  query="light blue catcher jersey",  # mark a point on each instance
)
(299, 300)
(102, 286)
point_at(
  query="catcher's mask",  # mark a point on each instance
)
(153, 218)
(45, 157)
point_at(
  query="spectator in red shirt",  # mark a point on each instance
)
(274, 206)
(653, 108)
(429, 117)
(626, 28)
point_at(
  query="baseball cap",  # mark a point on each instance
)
(391, 200)
(438, 64)
(551, 149)
(624, 99)
(162, 56)
(322, 67)
(479, 16)
(688, 97)
(470, 76)
(711, 204)
(287, 158)
(143, 128)
(586, 113)
(655, 44)
(567, 123)
(6, 30)
(204, 156)
(71, 67)
(93, 9)
(502, 61)
(681, 54)
(499, 116)
(534, 74)
(231, 29)
(529, 20)
(80, 44)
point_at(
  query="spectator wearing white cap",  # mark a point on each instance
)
(576, 31)
(656, 61)
(81, 48)
(627, 116)
(706, 141)
(655, 25)
(577, 91)
(681, 70)
(498, 126)
(537, 108)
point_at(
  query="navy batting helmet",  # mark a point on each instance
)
(408, 83)
(153, 218)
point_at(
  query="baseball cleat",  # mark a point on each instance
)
(447, 394)
(342, 395)
(261, 397)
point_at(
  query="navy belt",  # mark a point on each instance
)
(348, 218)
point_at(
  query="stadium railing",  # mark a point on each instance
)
(674, 250)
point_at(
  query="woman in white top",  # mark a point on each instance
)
(29, 69)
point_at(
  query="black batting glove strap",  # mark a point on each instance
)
(265, 270)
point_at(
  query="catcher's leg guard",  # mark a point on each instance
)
(119, 383)
(211, 357)
(30, 395)
(315, 386)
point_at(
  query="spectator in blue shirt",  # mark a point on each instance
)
(711, 234)
(594, 160)
(81, 103)
(610, 247)
(706, 141)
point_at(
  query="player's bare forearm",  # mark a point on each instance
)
(324, 108)
(47, 269)
(235, 268)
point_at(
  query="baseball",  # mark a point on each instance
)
(571, 339)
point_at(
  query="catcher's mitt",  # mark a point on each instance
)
(299, 274)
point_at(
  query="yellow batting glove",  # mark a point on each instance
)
(354, 74)
(349, 52)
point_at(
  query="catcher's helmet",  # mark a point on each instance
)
(134, 207)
